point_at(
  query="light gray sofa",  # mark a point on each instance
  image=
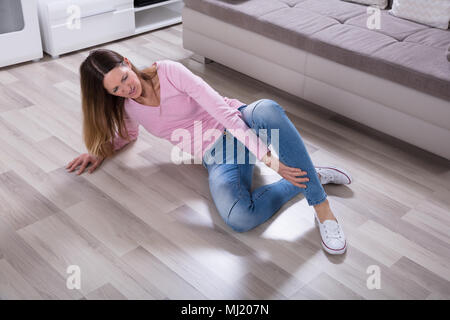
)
(395, 79)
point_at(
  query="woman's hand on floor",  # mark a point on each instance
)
(84, 161)
(289, 173)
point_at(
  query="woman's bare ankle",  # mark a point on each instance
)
(324, 212)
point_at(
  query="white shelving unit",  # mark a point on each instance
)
(157, 15)
(101, 21)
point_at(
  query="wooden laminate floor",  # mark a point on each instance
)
(142, 227)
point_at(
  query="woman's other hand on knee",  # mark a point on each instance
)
(293, 175)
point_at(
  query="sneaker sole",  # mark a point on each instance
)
(346, 174)
(334, 251)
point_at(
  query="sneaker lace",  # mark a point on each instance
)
(332, 231)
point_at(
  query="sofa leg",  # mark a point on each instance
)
(201, 59)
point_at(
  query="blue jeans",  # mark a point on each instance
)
(230, 181)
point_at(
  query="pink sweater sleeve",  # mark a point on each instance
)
(133, 132)
(182, 78)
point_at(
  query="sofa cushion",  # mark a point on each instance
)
(341, 39)
(434, 13)
(396, 28)
(430, 37)
(401, 51)
(294, 26)
(419, 63)
(338, 10)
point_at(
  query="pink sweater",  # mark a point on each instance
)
(191, 115)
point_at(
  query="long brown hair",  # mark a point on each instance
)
(103, 113)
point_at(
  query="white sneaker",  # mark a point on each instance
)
(333, 238)
(333, 175)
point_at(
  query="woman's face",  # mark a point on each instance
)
(123, 82)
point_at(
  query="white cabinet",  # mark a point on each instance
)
(20, 39)
(69, 25)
